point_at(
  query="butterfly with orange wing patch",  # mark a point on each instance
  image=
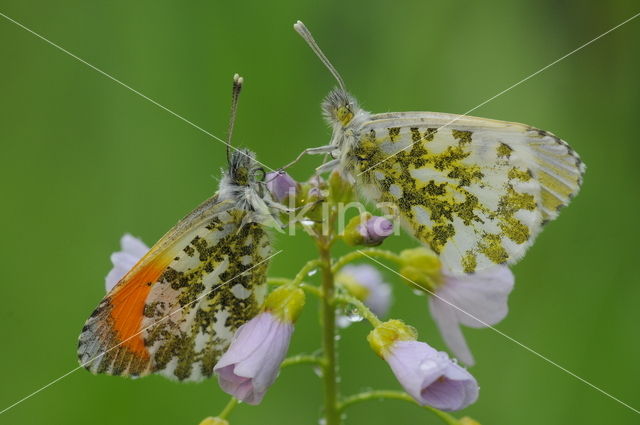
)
(175, 312)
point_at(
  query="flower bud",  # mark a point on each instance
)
(214, 421)
(281, 185)
(252, 362)
(368, 230)
(429, 376)
(285, 302)
(421, 266)
(385, 335)
(366, 283)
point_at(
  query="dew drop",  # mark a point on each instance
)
(342, 321)
(354, 315)
(428, 365)
(318, 371)
(312, 272)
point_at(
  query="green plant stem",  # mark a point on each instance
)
(332, 415)
(279, 281)
(395, 395)
(304, 271)
(362, 309)
(311, 289)
(364, 253)
(303, 359)
(233, 402)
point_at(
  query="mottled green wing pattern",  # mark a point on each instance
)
(218, 281)
(176, 311)
(476, 191)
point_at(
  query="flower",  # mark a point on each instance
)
(365, 282)
(428, 375)
(133, 249)
(477, 300)
(213, 421)
(368, 230)
(252, 362)
(281, 185)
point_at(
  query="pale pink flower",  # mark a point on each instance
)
(367, 284)
(252, 362)
(483, 295)
(132, 250)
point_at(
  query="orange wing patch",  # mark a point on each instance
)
(127, 305)
(111, 340)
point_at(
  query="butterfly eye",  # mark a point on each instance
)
(344, 115)
(259, 174)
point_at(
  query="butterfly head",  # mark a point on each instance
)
(244, 170)
(339, 107)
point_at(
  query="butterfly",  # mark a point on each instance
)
(476, 191)
(175, 312)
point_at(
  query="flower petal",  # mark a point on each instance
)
(252, 362)
(430, 376)
(132, 250)
(378, 292)
(415, 365)
(482, 295)
(447, 321)
(454, 390)
(134, 246)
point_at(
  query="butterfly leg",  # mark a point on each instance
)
(310, 151)
(327, 166)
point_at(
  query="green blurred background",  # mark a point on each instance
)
(85, 160)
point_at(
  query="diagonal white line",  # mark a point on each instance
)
(134, 335)
(511, 87)
(531, 350)
(109, 76)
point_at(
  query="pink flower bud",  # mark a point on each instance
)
(430, 376)
(375, 230)
(281, 185)
(252, 362)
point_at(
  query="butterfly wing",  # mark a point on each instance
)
(176, 310)
(476, 191)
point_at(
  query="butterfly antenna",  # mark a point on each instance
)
(306, 34)
(235, 95)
